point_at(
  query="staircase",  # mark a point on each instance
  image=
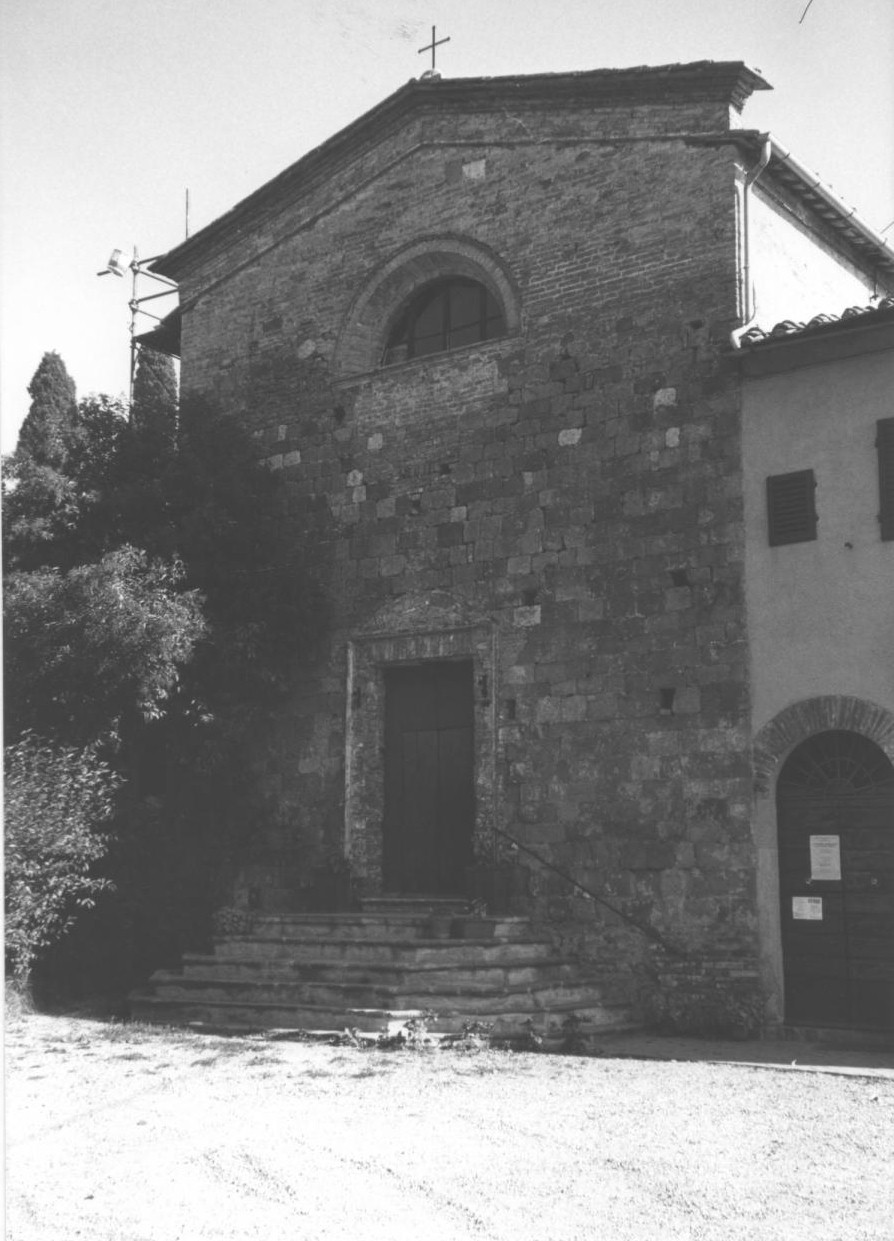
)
(375, 969)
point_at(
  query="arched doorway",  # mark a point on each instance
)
(835, 815)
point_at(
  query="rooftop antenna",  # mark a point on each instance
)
(187, 213)
(432, 75)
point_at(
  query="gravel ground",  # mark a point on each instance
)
(134, 1134)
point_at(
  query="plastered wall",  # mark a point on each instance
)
(819, 613)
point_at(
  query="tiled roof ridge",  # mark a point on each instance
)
(789, 327)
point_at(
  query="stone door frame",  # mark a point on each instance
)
(368, 658)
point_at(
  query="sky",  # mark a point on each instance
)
(111, 109)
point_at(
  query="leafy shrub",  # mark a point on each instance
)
(412, 1035)
(473, 1037)
(720, 1013)
(232, 921)
(56, 797)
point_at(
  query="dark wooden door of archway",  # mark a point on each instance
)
(429, 781)
(835, 814)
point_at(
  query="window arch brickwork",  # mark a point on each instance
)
(365, 331)
(796, 723)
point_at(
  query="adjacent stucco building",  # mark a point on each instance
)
(818, 423)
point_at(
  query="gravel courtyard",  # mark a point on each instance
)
(133, 1134)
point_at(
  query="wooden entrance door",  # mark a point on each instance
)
(429, 784)
(835, 814)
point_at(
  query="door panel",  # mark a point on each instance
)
(429, 782)
(839, 968)
(419, 755)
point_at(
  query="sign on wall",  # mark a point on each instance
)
(807, 908)
(825, 857)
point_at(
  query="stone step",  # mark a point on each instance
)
(444, 952)
(502, 973)
(418, 906)
(387, 926)
(409, 993)
(226, 1015)
(319, 971)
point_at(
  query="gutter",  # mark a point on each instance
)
(749, 313)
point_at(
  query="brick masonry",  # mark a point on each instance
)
(569, 494)
(795, 724)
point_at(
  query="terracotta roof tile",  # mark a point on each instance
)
(789, 327)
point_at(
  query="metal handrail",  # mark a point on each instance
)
(650, 933)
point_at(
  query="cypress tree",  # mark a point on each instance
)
(154, 410)
(46, 432)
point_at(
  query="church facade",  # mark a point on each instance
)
(490, 334)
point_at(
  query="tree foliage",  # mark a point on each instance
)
(154, 408)
(224, 513)
(55, 800)
(154, 600)
(43, 438)
(50, 511)
(88, 647)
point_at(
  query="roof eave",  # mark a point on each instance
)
(819, 197)
(871, 332)
(164, 337)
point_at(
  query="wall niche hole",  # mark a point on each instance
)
(666, 700)
(530, 597)
(679, 577)
(444, 469)
(416, 504)
(511, 708)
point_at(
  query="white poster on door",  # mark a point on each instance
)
(825, 857)
(807, 908)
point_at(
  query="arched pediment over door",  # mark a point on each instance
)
(779, 736)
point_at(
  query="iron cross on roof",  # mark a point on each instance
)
(430, 47)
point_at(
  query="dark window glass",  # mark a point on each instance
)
(464, 335)
(445, 315)
(884, 443)
(465, 306)
(791, 509)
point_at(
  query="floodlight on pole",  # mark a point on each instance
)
(116, 266)
(119, 265)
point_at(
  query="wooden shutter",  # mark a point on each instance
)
(791, 510)
(884, 443)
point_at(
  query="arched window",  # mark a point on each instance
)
(837, 761)
(445, 314)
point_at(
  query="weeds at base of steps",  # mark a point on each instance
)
(414, 1035)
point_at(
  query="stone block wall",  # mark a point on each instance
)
(573, 490)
